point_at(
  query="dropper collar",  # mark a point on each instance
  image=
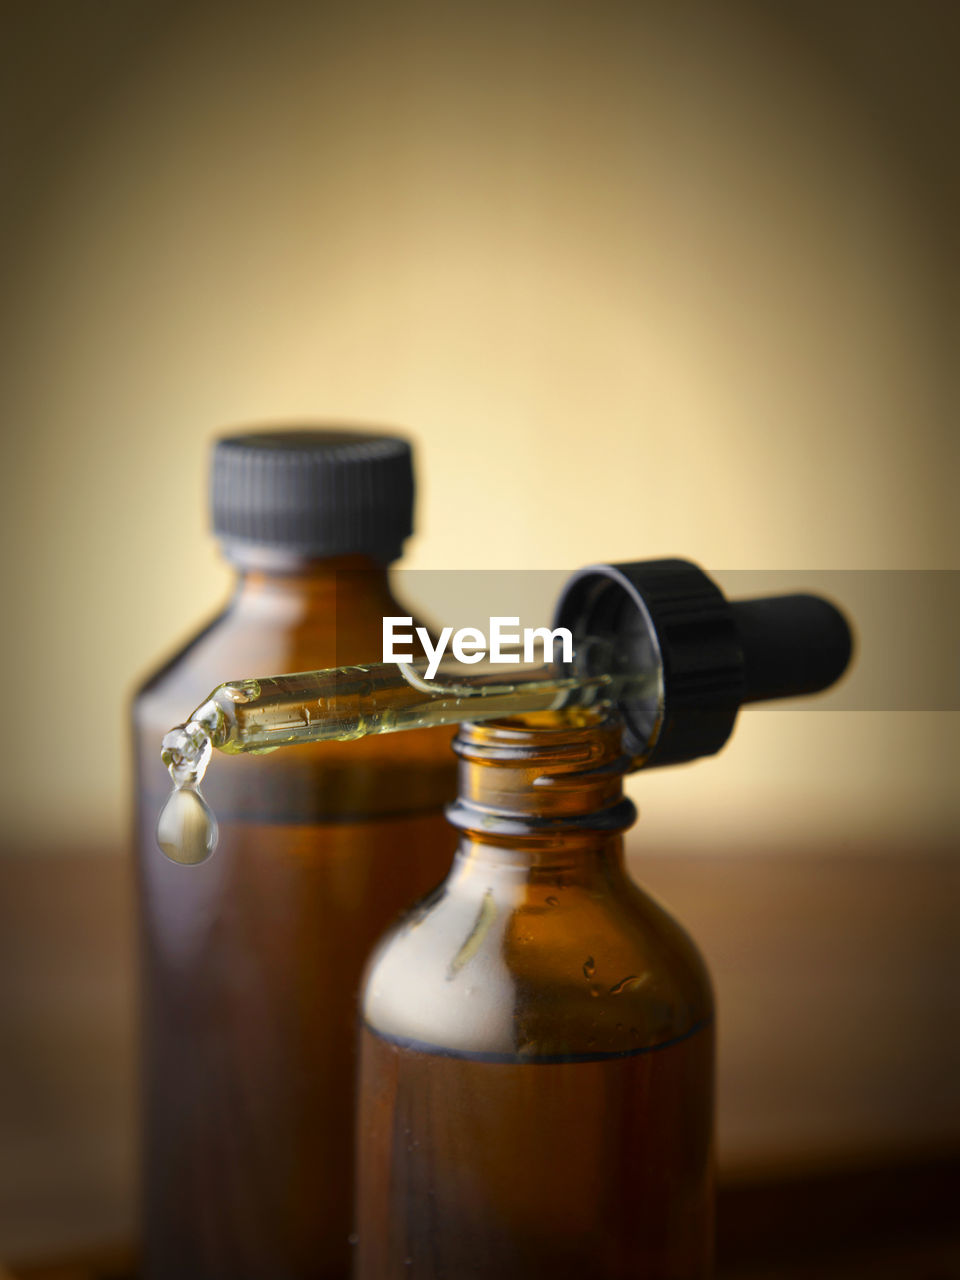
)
(711, 654)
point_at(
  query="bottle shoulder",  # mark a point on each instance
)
(382, 775)
(170, 672)
(270, 632)
(542, 971)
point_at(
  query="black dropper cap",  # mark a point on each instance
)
(706, 655)
(314, 492)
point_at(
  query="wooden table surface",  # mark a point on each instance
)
(839, 1067)
(898, 1222)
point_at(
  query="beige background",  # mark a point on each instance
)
(639, 279)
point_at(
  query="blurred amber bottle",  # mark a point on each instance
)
(536, 1092)
(251, 961)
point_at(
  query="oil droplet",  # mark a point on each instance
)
(626, 984)
(186, 828)
(553, 902)
(474, 939)
(589, 967)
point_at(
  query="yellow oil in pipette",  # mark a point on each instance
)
(260, 715)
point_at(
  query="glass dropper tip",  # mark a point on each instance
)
(187, 830)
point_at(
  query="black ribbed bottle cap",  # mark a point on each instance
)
(315, 492)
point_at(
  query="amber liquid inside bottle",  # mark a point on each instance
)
(251, 961)
(536, 1090)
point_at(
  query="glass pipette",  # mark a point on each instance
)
(342, 703)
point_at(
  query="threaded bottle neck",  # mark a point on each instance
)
(541, 775)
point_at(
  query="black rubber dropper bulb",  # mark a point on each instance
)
(712, 655)
(792, 645)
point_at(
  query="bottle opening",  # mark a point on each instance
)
(547, 771)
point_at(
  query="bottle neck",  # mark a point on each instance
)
(542, 795)
(269, 579)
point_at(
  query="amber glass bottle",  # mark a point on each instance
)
(536, 1090)
(251, 961)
